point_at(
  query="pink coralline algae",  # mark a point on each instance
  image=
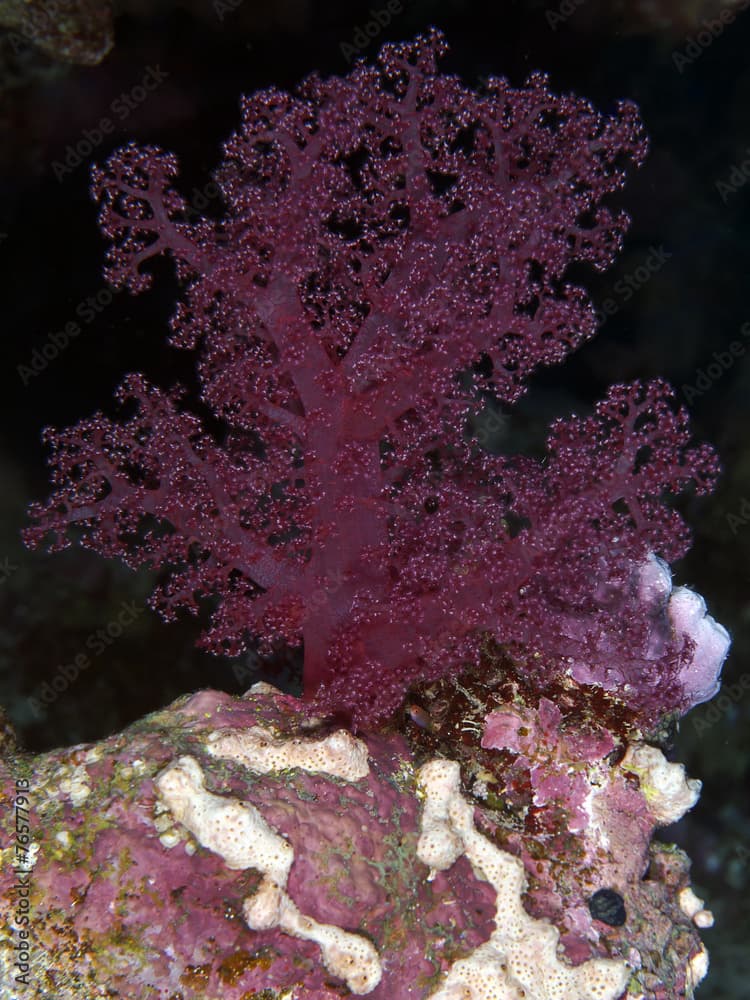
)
(235, 848)
(548, 754)
(395, 249)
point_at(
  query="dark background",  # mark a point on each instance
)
(694, 93)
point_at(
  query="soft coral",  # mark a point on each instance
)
(394, 245)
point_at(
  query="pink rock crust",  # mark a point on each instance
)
(126, 903)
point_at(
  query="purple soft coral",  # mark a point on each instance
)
(384, 233)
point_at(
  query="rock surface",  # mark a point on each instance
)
(235, 847)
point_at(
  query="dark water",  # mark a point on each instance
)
(673, 305)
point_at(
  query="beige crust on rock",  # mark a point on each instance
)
(520, 959)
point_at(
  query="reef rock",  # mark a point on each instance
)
(234, 847)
